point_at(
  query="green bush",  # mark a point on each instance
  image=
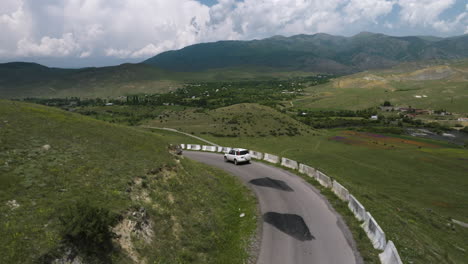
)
(88, 229)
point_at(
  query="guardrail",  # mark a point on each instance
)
(371, 227)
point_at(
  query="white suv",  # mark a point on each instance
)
(237, 156)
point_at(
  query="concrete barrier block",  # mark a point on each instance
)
(226, 149)
(357, 208)
(374, 232)
(390, 255)
(340, 191)
(307, 170)
(256, 155)
(193, 147)
(271, 158)
(292, 164)
(209, 148)
(323, 179)
(182, 146)
(220, 149)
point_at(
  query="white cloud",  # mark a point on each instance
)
(423, 12)
(85, 54)
(447, 25)
(367, 9)
(54, 47)
(427, 13)
(119, 53)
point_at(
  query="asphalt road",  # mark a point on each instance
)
(299, 225)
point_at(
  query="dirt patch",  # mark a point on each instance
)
(135, 225)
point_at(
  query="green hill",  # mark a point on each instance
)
(34, 80)
(65, 179)
(232, 121)
(315, 53)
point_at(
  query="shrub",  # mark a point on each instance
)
(89, 230)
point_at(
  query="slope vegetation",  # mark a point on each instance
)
(66, 179)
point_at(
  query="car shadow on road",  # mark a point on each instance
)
(290, 224)
(272, 183)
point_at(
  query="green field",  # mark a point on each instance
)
(58, 169)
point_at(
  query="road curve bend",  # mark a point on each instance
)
(299, 225)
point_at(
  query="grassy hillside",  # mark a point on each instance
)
(431, 87)
(65, 179)
(237, 120)
(413, 187)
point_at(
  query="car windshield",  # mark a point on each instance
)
(243, 152)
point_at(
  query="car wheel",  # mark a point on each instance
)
(235, 161)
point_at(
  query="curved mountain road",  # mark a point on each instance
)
(299, 225)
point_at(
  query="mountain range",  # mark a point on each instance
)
(224, 60)
(316, 53)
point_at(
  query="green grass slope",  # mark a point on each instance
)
(92, 174)
(429, 87)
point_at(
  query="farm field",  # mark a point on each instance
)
(62, 174)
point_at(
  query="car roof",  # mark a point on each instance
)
(239, 149)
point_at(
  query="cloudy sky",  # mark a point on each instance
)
(77, 33)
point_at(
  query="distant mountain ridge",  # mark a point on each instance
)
(275, 57)
(317, 53)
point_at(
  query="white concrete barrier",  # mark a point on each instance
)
(357, 208)
(225, 149)
(220, 149)
(390, 255)
(340, 191)
(292, 164)
(323, 179)
(271, 158)
(307, 170)
(256, 155)
(374, 232)
(193, 147)
(182, 146)
(209, 148)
